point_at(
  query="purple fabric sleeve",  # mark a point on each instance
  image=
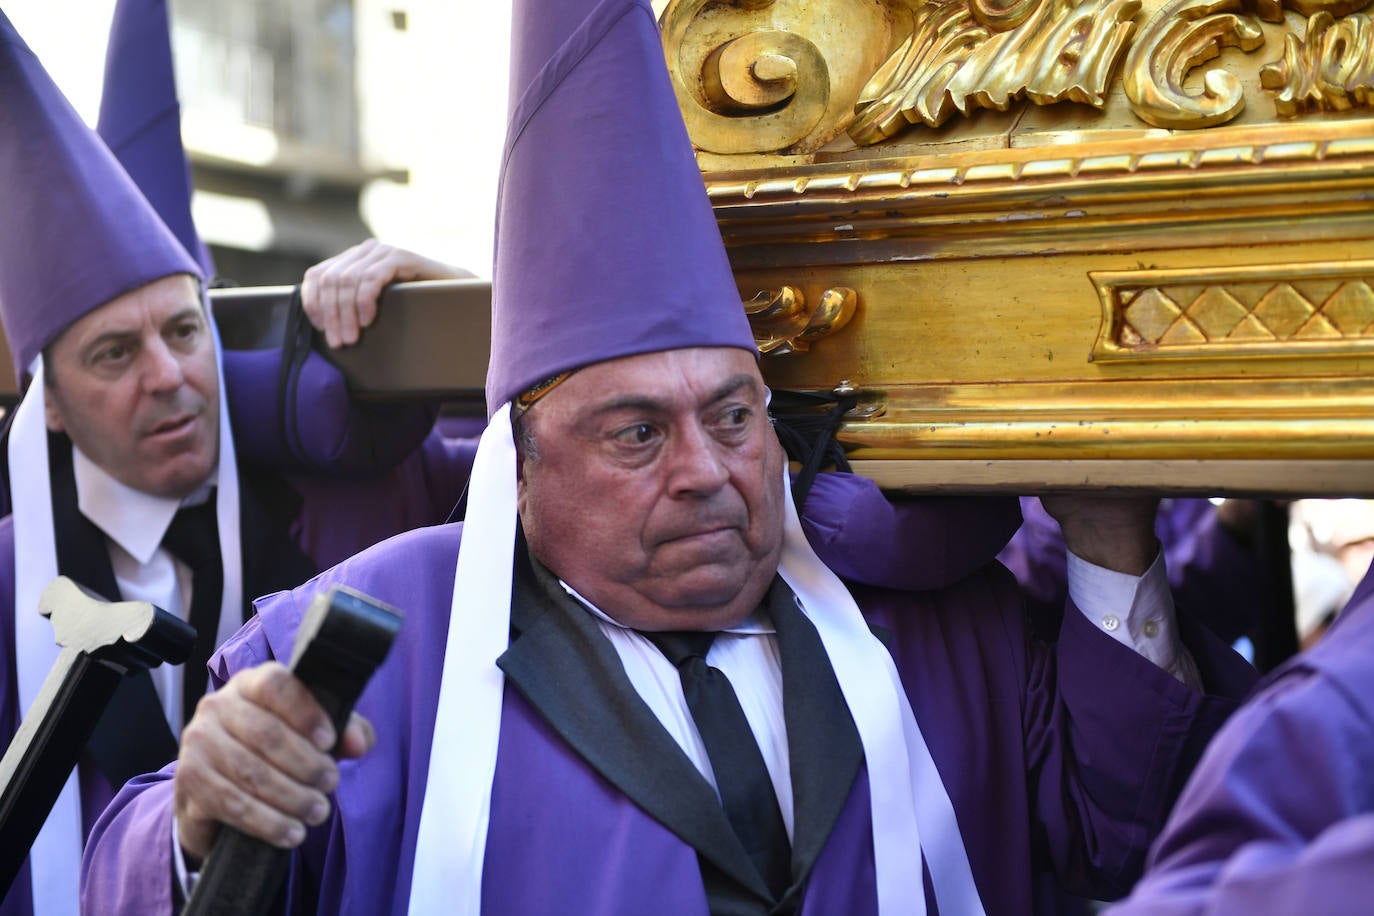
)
(912, 544)
(1102, 789)
(329, 432)
(144, 835)
(1061, 758)
(1037, 557)
(342, 516)
(1216, 578)
(1279, 816)
(1277, 820)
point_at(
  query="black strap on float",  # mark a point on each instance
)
(806, 425)
(1276, 631)
(298, 338)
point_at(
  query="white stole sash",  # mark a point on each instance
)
(452, 841)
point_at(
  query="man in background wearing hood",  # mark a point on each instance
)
(122, 460)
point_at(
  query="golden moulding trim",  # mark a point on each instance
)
(1113, 164)
(783, 326)
(1307, 309)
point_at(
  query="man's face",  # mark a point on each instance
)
(135, 385)
(656, 487)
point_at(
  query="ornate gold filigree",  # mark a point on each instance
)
(1313, 7)
(782, 326)
(1181, 36)
(789, 76)
(1262, 309)
(1000, 15)
(1332, 69)
(770, 75)
(955, 60)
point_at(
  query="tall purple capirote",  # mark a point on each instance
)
(140, 117)
(75, 232)
(606, 245)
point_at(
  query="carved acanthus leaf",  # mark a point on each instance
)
(1332, 69)
(1181, 36)
(955, 60)
(1000, 15)
(789, 76)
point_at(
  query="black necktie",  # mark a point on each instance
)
(193, 538)
(741, 776)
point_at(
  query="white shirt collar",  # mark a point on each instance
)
(134, 520)
(755, 624)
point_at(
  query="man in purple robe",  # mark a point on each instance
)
(118, 442)
(536, 750)
(1279, 815)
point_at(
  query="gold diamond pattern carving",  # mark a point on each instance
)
(1241, 314)
(1183, 332)
(1317, 328)
(1283, 310)
(1351, 308)
(1216, 312)
(1151, 314)
(1251, 329)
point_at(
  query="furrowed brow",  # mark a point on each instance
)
(630, 402)
(643, 404)
(191, 311)
(732, 386)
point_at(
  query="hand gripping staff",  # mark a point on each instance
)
(344, 637)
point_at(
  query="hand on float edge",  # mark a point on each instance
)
(340, 295)
(1114, 532)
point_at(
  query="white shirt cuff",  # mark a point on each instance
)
(186, 879)
(1136, 611)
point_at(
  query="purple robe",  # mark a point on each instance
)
(1065, 757)
(1279, 816)
(1215, 578)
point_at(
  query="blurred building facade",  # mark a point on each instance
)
(270, 121)
(312, 124)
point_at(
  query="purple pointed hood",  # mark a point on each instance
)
(76, 232)
(606, 243)
(140, 118)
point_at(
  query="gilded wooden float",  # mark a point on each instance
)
(1109, 243)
